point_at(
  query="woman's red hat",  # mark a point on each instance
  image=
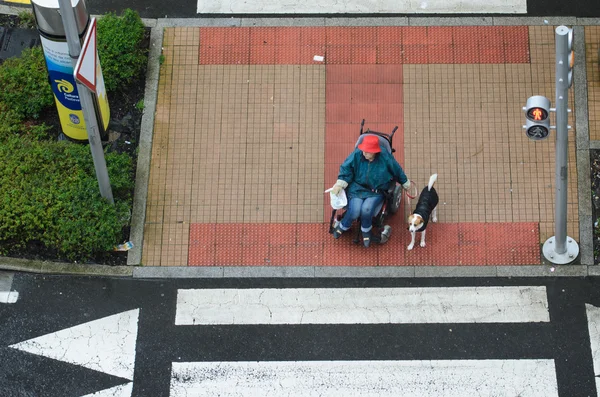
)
(370, 144)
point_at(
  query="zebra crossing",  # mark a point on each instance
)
(431, 305)
(361, 305)
(364, 6)
(199, 338)
(444, 378)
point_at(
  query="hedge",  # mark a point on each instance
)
(24, 88)
(119, 50)
(50, 195)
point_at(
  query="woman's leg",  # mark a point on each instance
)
(370, 207)
(353, 211)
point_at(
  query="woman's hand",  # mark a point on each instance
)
(336, 189)
(406, 185)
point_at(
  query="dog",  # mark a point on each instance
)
(426, 207)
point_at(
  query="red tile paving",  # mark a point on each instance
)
(447, 244)
(364, 45)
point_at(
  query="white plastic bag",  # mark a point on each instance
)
(339, 201)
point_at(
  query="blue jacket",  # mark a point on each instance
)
(370, 178)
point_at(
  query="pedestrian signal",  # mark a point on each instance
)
(537, 114)
(537, 121)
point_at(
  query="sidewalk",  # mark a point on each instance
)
(249, 130)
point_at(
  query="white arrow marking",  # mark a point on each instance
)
(117, 391)
(593, 317)
(106, 345)
(8, 296)
(362, 305)
(439, 378)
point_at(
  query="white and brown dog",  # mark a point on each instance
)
(426, 207)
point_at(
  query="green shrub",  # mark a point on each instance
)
(140, 105)
(24, 87)
(11, 124)
(119, 50)
(50, 195)
(26, 19)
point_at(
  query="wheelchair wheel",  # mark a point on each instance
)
(396, 199)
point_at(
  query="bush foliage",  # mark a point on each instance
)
(50, 194)
(119, 50)
(24, 87)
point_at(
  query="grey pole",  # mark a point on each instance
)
(562, 119)
(87, 104)
(560, 248)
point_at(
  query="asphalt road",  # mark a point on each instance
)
(74, 319)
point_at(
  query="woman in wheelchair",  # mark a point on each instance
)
(366, 174)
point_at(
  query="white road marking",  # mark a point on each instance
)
(6, 295)
(9, 296)
(439, 378)
(593, 317)
(362, 6)
(106, 345)
(362, 305)
(117, 391)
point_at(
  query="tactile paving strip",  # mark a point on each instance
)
(447, 244)
(364, 45)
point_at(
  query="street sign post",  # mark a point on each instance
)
(85, 96)
(559, 249)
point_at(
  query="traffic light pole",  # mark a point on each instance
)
(561, 249)
(87, 104)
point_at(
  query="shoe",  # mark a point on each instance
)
(366, 238)
(337, 232)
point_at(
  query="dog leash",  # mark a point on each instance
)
(407, 207)
(412, 183)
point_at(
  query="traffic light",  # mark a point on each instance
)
(537, 117)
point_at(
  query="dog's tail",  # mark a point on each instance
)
(432, 180)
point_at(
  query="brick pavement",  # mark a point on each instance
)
(249, 130)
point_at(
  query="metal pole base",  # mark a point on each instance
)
(560, 259)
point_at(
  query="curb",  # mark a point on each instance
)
(218, 272)
(56, 268)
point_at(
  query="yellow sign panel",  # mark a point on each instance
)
(64, 87)
(18, 1)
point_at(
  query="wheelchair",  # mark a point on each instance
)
(392, 197)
